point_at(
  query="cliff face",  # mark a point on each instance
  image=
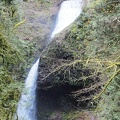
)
(74, 66)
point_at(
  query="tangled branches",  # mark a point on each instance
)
(87, 75)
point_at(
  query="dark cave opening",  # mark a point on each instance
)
(57, 97)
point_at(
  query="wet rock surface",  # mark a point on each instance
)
(40, 19)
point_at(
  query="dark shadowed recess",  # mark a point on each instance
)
(57, 98)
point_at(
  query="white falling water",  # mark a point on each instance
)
(69, 11)
(26, 107)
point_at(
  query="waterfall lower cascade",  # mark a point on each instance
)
(69, 11)
(26, 107)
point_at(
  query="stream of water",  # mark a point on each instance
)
(26, 110)
(69, 11)
(26, 107)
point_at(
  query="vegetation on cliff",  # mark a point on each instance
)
(15, 58)
(87, 60)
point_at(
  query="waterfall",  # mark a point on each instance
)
(26, 110)
(69, 11)
(26, 107)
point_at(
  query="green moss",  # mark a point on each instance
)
(14, 54)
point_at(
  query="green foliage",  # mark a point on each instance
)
(10, 93)
(9, 90)
(97, 36)
(108, 107)
(15, 59)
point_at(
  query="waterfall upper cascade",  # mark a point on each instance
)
(68, 12)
